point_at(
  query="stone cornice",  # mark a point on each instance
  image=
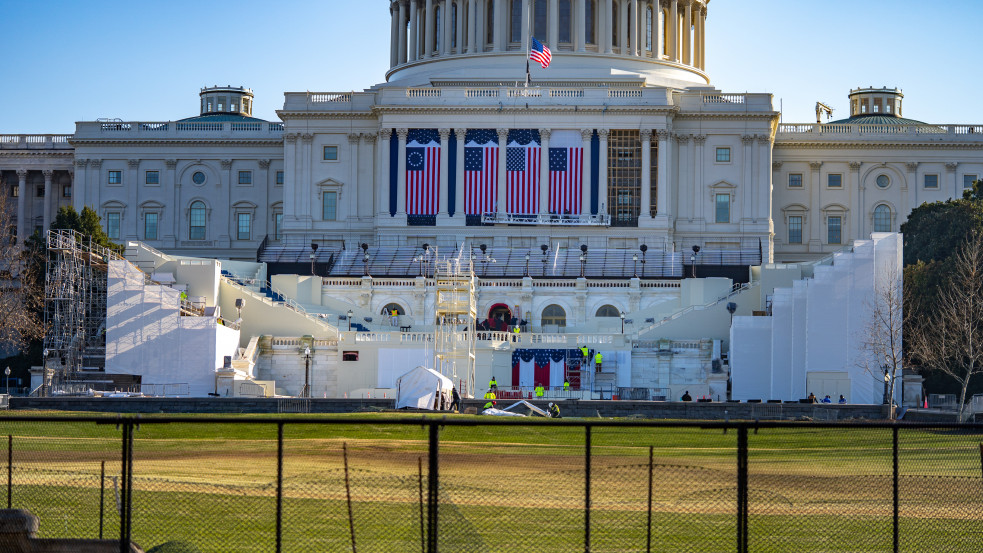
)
(36, 153)
(875, 145)
(181, 142)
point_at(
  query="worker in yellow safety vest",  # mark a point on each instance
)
(540, 390)
(566, 386)
(597, 361)
(493, 384)
(583, 349)
(490, 404)
(490, 395)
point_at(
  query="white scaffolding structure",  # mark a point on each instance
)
(456, 313)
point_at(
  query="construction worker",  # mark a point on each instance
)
(597, 361)
(490, 395)
(493, 384)
(490, 404)
(566, 385)
(554, 411)
(540, 391)
(586, 352)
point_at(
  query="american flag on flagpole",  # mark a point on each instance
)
(480, 171)
(539, 53)
(522, 158)
(422, 172)
(566, 159)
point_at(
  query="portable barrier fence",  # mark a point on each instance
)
(367, 484)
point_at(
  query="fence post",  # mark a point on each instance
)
(432, 496)
(279, 487)
(742, 495)
(896, 496)
(10, 469)
(124, 490)
(648, 540)
(587, 452)
(102, 495)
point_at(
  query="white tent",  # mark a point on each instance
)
(424, 388)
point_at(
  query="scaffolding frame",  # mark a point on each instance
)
(455, 317)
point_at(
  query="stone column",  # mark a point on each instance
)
(525, 26)
(414, 31)
(428, 34)
(607, 27)
(461, 27)
(367, 161)
(354, 188)
(673, 26)
(442, 184)
(544, 171)
(579, 18)
(658, 41)
(445, 39)
(95, 183)
(47, 198)
(602, 194)
(687, 37)
(703, 38)
(646, 211)
(503, 136)
(950, 168)
(500, 25)
(663, 182)
(401, 175)
(689, 199)
(170, 239)
(553, 25)
(393, 34)
(459, 134)
(815, 211)
(403, 14)
(22, 198)
(382, 183)
(763, 207)
(698, 184)
(479, 25)
(623, 27)
(472, 26)
(858, 209)
(133, 186)
(585, 137)
(633, 46)
(79, 185)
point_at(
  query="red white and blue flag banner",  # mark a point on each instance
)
(522, 158)
(422, 172)
(480, 171)
(566, 172)
(539, 53)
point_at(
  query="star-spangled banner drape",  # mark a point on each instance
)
(566, 159)
(522, 159)
(480, 171)
(422, 171)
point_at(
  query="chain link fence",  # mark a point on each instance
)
(463, 484)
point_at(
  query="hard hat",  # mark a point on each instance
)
(494, 403)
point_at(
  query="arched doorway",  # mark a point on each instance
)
(499, 316)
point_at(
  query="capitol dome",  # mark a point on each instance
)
(592, 41)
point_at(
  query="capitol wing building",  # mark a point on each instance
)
(614, 199)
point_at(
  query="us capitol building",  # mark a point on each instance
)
(606, 196)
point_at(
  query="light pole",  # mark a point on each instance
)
(622, 322)
(545, 249)
(644, 249)
(365, 259)
(307, 373)
(692, 259)
(527, 264)
(350, 315)
(634, 265)
(313, 256)
(6, 373)
(583, 259)
(887, 382)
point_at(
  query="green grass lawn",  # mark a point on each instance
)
(503, 488)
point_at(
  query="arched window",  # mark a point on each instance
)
(490, 23)
(515, 33)
(565, 24)
(608, 311)
(540, 21)
(388, 309)
(438, 25)
(882, 218)
(197, 221)
(554, 315)
(614, 24)
(589, 7)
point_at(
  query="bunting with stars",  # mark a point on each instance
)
(422, 171)
(522, 159)
(480, 171)
(566, 172)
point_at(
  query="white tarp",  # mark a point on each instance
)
(424, 388)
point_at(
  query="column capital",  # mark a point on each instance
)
(47, 174)
(764, 139)
(307, 137)
(855, 165)
(586, 134)
(747, 139)
(460, 132)
(951, 166)
(544, 133)
(226, 163)
(369, 137)
(682, 138)
(171, 163)
(95, 163)
(815, 165)
(645, 134)
(776, 165)
(22, 174)
(291, 137)
(264, 164)
(402, 134)
(353, 138)
(663, 134)
(503, 134)
(911, 166)
(603, 133)
(133, 163)
(444, 134)
(699, 139)
(81, 162)
(385, 134)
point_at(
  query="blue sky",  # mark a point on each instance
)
(66, 61)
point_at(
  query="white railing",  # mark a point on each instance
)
(966, 131)
(524, 92)
(600, 220)
(247, 126)
(198, 126)
(631, 93)
(481, 93)
(115, 126)
(154, 127)
(566, 93)
(423, 93)
(322, 97)
(738, 288)
(284, 300)
(34, 140)
(724, 98)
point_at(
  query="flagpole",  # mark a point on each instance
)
(528, 15)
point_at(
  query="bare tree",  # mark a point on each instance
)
(21, 295)
(881, 342)
(950, 338)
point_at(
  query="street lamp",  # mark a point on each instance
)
(313, 255)
(583, 259)
(634, 265)
(307, 373)
(692, 259)
(6, 372)
(365, 259)
(545, 249)
(644, 249)
(350, 315)
(527, 264)
(887, 382)
(622, 322)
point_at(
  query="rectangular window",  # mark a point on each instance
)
(723, 155)
(14, 190)
(795, 229)
(330, 153)
(277, 225)
(245, 177)
(722, 208)
(968, 181)
(279, 178)
(149, 226)
(115, 177)
(39, 191)
(834, 180)
(931, 181)
(66, 191)
(833, 226)
(242, 226)
(329, 211)
(153, 177)
(795, 180)
(112, 225)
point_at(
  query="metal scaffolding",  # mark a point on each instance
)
(456, 313)
(74, 305)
